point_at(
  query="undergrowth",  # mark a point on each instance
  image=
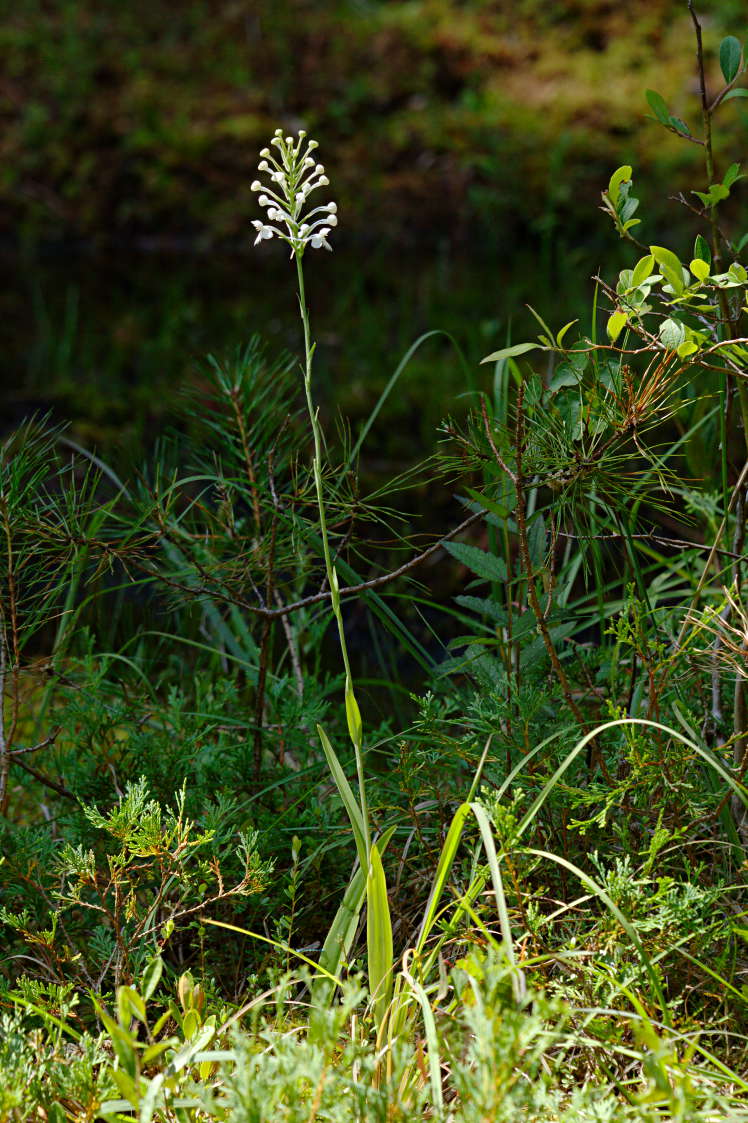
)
(286, 838)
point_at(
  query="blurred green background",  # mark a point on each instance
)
(466, 143)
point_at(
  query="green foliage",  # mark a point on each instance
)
(548, 826)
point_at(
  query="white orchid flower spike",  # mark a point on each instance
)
(293, 174)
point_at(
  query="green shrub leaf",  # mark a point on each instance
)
(511, 352)
(658, 106)
(730, 52)
(615, 325)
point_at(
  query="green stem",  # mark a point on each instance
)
(329, 568)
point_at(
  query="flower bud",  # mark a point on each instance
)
(332, 208)
(256, 186)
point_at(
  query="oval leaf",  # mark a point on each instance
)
(615, 325)
(729, 57)
(642, 270)
(670, 266)
(658, 106)
(700, 269)
(620, 175)
(672, 334)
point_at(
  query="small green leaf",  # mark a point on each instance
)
(615, 325)
(642, 270)
(151, 976)
(732, 175)
(658, 106)
(738, 272)
(730, 53)
(740, 92)
(670, 266)
(700, 269)
(672, 334)
(680, 126)
(687, 348)
(511, 352)
(562, 333)
(353, 714)
(620, 175)
(702, 249)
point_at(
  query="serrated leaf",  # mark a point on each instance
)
(658, 106)
(615, 325)
(482, 606)
(620, 175)
(479, 562)
(730, 53)
(511, 352)
(642, 270)
(670, 266)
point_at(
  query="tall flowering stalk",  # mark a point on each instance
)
(293, 174)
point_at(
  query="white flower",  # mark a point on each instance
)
(319, 240)
(293, 176)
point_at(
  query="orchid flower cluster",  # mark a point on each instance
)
(294, 174)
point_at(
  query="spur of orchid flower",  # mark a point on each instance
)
(293, 174)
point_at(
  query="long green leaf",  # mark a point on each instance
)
(484, 824)
(360, 830)
(432, 1042)
(378, 938)
(339, 941)
(446, 858)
